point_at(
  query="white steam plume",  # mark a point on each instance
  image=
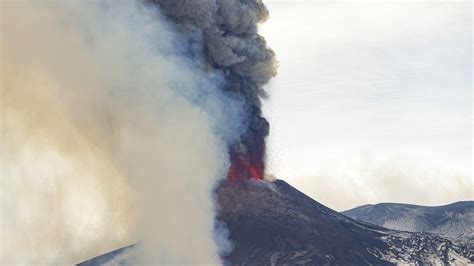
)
(110, 134)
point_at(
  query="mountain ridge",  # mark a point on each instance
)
(412, 205)
(454, 221)
(272, 223)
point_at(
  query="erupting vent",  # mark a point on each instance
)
(242, 169)
(225, 32)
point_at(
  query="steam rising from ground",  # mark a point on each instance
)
(107, 125)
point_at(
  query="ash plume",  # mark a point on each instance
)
(226, 33)
(118, 120)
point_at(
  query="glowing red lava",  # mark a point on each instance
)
(242, 169)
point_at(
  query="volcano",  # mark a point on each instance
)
(272, 223)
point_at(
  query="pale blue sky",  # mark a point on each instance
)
(373, 100)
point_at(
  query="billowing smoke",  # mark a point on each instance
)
(118, 120)
(225, 31)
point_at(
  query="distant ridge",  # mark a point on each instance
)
(455, 220)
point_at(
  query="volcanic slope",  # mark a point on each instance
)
(272, 223)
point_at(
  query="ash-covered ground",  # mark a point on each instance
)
(272, 223)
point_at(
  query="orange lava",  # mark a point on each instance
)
(242, 169)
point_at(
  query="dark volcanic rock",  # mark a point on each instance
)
(272, 223)
(120, 257)
(277, 223)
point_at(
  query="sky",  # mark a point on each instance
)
(373, 103)
(373, 100)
